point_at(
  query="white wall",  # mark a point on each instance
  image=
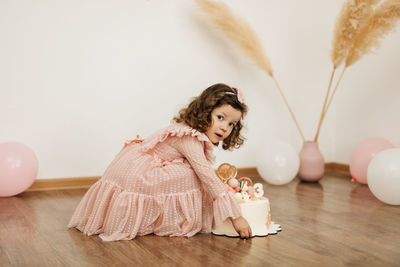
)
(78, 78)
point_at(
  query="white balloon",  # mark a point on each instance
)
(278, 163)
(383, 176)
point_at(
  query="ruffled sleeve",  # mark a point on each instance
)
(224, 205)
(179, 130)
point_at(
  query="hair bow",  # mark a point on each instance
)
(239, 95)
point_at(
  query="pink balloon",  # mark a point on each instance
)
(18, 168)
(363, 154)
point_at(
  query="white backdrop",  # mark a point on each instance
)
(78, 78)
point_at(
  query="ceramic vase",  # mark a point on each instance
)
(312, 164)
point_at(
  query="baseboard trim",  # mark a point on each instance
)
(63, 183)
(332, 167)
(248, 172)
(86, 182)
(337, 168)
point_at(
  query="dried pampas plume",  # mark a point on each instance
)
(372, 26)
(352, 18)
(377, 26)
(242, 35)
(237, 31)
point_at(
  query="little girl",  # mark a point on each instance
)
(165, 184)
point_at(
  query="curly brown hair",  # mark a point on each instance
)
(198, 113)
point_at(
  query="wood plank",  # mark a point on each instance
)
(332, 223)
(20, 238)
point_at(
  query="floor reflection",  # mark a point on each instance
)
(309, 194)
(309, 197)
(362, 201)
(18, 212)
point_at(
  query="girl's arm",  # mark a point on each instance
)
(193, 150)
(225, 206)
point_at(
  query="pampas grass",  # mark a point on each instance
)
(360, 26)
(378, 25)
(351, 19)
(237, 31)
(243, 37)
(359, 29)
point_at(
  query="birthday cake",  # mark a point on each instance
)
(255, 207)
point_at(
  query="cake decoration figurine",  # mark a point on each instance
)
(226, 171)
(255, 207)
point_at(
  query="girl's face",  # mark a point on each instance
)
(223, 119)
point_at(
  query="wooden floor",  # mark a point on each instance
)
(330, 223)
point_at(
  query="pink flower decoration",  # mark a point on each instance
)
(238, 94)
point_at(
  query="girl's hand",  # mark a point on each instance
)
(242, 227)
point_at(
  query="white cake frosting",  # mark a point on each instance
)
(257, 213)
(254, 206)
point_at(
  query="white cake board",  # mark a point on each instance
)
(229, 231)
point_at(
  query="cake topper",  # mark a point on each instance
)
(258, 190)
(242, 188)
(226, 171)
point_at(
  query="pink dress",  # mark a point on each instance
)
(164, 185)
